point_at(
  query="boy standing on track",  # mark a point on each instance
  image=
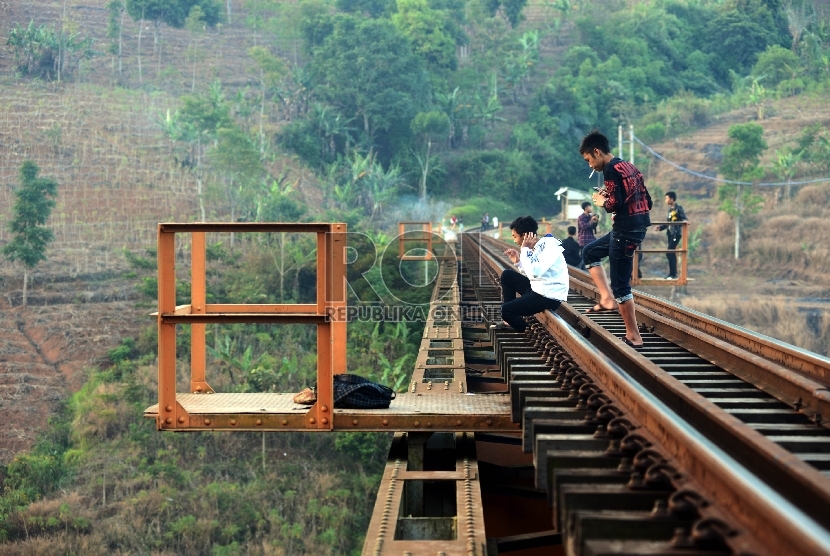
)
(572, 251)
(586, 225)
(674, 233)
(625, 195)
(542, 276)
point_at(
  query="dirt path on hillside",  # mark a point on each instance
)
(44, 352)
(31, 383)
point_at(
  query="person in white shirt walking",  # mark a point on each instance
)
(541, 276)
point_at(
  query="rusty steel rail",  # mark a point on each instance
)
(772, 493)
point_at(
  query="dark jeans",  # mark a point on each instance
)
(672, 257)
(529, 303)
(619, 247)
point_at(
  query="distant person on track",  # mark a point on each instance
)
(625, 195)
(673, 233)
(541, 276)
(586, 224)
(572, 252)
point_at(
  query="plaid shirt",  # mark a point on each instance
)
(585, 230)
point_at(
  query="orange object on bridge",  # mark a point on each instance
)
(328, 313)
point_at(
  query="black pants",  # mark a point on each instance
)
(529, 303)
(672, 257)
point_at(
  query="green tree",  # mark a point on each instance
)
(426, 125)
(427, 29)
(195, 24)
(170, 12)
(116, 10)
(738, 36)
(259, 13)
(374, 8)
(741, 158)
(193, 128)
(235, 157)
(757, 95)
(44, 52)
(785, 166)
(271, 72)
(511, 9)
(452, 105)
(33, 205)
(777, 64)
(366, 69)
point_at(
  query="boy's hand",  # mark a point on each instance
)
(512, 254)
(530, 240)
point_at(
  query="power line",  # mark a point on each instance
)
(713, 178)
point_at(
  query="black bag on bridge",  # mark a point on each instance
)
(356, 392)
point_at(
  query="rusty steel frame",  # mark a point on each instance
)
(328, 313)
(447, 408)
(415, 235)
(682, 277)
(469, 520)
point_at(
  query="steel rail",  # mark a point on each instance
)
(800, 483)
(768, 516)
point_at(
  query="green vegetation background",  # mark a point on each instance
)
(420, 108)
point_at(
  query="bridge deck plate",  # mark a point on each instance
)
(408, 412)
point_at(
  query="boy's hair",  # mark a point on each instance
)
(585, 204)
(571, 230)
(524, 224)
(672, 195)
(594, 140)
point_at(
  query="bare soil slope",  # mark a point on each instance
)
(701, 150)
(797, 224)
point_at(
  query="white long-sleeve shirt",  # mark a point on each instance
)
(545, 267)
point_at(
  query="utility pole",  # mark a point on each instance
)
(621, 143)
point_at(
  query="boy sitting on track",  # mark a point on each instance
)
(541, 279)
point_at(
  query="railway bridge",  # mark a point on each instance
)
(710, 440)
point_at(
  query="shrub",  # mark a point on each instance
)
(126, 350)
(776, 64)
(652, 133)
(814, 195)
